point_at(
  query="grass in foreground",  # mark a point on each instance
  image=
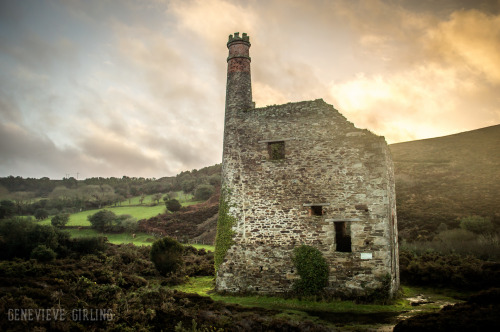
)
(198, 285)
(205, 285)
(345, 314)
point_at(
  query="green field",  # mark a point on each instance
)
(134, 208)
(138, 212)
(144, 211)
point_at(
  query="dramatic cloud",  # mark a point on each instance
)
(468, 38)
(439, 76)
(136, 87)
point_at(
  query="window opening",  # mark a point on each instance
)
(276, 150)
(342, 237)
(316, 210)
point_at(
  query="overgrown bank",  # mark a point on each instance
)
(121, 289)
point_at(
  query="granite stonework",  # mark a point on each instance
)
(330, 183)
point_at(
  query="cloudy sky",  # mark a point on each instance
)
(137, 87)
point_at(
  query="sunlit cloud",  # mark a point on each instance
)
(421, 102)
(468, 38)
(214, 19)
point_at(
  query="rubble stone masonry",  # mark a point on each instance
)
(300, 173)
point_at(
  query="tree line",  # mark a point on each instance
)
(20, 196)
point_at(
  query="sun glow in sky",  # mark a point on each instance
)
(137, 87)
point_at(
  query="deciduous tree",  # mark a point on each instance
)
(173, 205)
(60, 220)
(7, 208)
(203, 192)
(41, 214)
(156, 198)
(102, 220)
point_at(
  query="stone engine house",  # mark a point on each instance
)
(300, 173)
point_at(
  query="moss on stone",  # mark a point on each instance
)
(224, 237)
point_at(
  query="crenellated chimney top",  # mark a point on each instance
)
(239, 83)
(244, 38)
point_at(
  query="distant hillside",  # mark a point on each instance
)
(445, 178)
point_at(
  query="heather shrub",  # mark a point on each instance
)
(477, 225)
(173, 205)
(166, 255)
(435, 269)
(43, 254)
(19, 236)
(125, 223)
(88, 245)
(456, 235)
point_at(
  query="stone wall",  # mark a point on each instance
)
(345, 172)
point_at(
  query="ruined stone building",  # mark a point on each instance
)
(295, 174)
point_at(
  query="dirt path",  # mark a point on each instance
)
(421, 304)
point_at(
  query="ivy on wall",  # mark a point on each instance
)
(224, 236)
(312, 269)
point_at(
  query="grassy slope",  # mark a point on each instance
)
(446, 178)
(132, 208)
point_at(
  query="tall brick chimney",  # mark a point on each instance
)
(238, 102)
(239, 85)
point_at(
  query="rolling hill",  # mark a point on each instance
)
(443, 179)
